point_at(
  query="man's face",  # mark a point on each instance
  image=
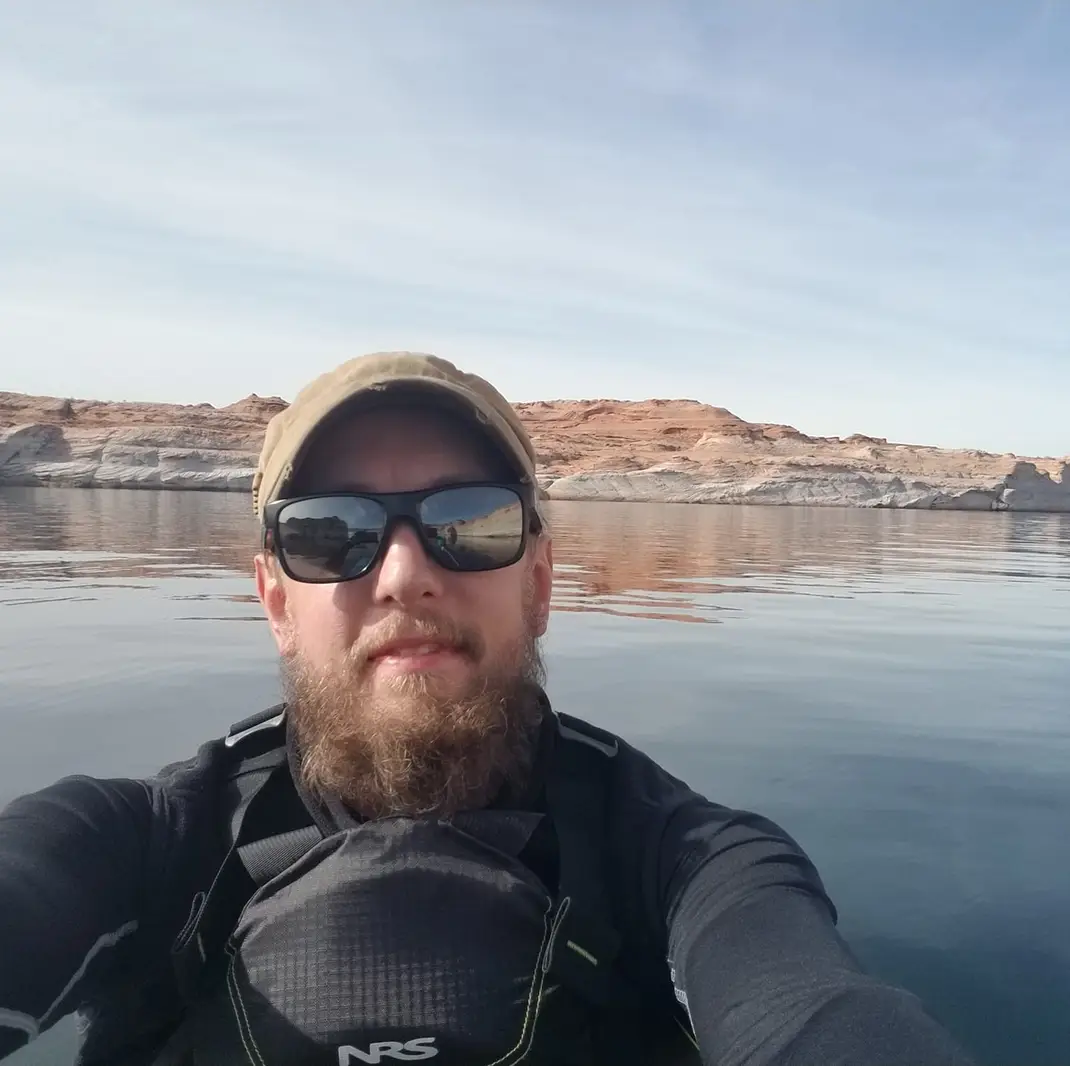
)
(407, 683)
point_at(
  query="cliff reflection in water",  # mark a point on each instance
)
(685, 562)
(689, 561)
(73, 538)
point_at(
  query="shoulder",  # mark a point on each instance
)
(196, 796)
(85, 804)
(216, 760)
(158, 821)
(642, 792)
(670, 837)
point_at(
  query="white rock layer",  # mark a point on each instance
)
(1024, 489)
(170, 457)
(121, 458)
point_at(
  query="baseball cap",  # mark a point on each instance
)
(380, 374)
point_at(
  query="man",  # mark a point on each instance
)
(415, 857)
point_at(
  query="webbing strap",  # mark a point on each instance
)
(266, 858)
(249, 778)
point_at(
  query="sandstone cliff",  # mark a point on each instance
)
(667, 450)
(87, 443)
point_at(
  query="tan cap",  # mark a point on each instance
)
(290, 431)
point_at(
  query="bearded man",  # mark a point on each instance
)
(414, 856)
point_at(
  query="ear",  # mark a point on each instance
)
(271, 590)
(542, 578)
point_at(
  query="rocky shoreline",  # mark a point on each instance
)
(677, 451)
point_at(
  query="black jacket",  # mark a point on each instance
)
(720, 911)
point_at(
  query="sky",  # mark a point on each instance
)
(848, 217)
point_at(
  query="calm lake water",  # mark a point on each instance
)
(893, 687)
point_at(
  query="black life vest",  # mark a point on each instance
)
(411, 939)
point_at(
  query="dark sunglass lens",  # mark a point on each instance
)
(474, 527)
(331, 537)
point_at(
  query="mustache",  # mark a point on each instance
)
(421, 627)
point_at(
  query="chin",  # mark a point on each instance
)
(420, 687)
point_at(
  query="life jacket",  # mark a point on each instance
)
(410, 939)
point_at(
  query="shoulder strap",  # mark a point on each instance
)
(268, 829)
(587, 943)
(271, 719)
(586, 948)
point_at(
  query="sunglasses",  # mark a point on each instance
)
(339, 536)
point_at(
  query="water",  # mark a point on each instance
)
(891, 687)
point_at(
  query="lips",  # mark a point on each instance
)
(411, 651)
(403, 649)
(419, 645)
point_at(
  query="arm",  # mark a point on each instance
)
(73, 862)
(767, 979)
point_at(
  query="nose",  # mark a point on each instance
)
(405, 574)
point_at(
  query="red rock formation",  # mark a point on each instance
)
(604, 448)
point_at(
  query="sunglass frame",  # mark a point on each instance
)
(399, 507)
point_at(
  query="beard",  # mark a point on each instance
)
(410, 745)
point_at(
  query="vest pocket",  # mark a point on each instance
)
(398, 941)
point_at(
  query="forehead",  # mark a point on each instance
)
(391, 448)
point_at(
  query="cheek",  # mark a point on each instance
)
(325, 620)
(499, 607)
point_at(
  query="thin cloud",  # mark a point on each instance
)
(783, 217)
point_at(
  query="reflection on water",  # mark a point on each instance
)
(654, 558)
(82, 534)
(680, 562)
(890, 686)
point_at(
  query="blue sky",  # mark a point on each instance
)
(845, 216)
